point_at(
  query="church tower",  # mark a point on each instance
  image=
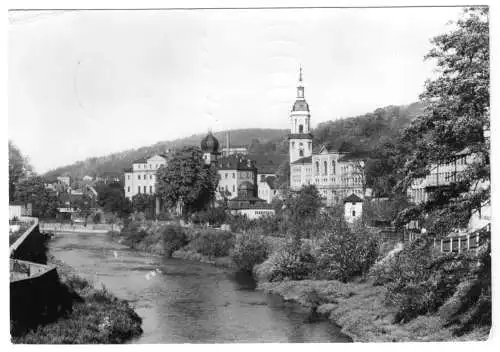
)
(300, 137)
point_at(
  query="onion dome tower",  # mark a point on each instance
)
(210, 148)
(300, 137)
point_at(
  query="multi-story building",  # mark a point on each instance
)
(440, 175)
(141, 177)
(336, 173)
(234, 170)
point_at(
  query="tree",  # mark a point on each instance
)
(83, 204)
(456, 113)
(187, 182)
(32, 190)
(303, 208)
(18, 168)
(111, 197)
(282, 181)
(144, 203)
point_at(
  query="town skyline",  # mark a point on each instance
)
(130, 78)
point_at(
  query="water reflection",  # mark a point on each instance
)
(188, 301)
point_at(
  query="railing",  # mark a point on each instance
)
(16, 242)
(464, 243)
(68, 227)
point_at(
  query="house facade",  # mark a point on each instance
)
(141, 177)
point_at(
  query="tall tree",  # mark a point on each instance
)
(111, 197)
(456, 114)
(19, 166)
(187, 182)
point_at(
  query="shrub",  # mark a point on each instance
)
(213, 216)
(344, 254)
(212, 243)
(419, 283)
(174, 238)
(97, 218)
(290, 262)
(249, 250)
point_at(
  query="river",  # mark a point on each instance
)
(183, 301)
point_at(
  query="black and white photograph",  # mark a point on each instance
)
(237, 175)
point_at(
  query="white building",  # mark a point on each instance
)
(335, 172)
(141, 178)
(440, 175)
(353, 208)
(266, 188)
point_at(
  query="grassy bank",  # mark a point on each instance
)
(359, 308)
(96, 316)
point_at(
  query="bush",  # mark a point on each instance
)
(174, 238)
(249, 250)
(212, 216)
(344, 254)
(290, 262)
(419, 283)
(212, 243)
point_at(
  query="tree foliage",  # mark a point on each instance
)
(111, 197)
(32, 190)
(18, 167)
(188, 181)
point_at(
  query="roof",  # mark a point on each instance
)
(353, 199)
(300, 105)
(306, 160)
(300, 136)
(270, 181)
(236, 162)
(142, 160)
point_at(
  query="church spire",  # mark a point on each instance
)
(300, 86)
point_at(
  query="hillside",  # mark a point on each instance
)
(269, 147)
(114, 164)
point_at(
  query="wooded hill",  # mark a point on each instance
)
(268, 147)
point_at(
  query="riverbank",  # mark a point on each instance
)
(96, 316)
(359, 308)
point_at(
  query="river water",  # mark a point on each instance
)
(183, 301)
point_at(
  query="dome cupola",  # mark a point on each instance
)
(209, 144)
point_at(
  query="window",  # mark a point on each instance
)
(128, 189)
(325, 168)
(150, 166)
(128, 177)
(138, 177)
(354, 213)
(150, 177)
(145, 189)
(151, 189)
(225, 175)
(233, 189)
(234, 175)
(301, 129)
(139, 189)
(317, 168)
(333, 166)
(301, 153)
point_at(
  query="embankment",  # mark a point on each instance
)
(359, 308)
(49, 304)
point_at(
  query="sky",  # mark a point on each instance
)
(90, 83)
